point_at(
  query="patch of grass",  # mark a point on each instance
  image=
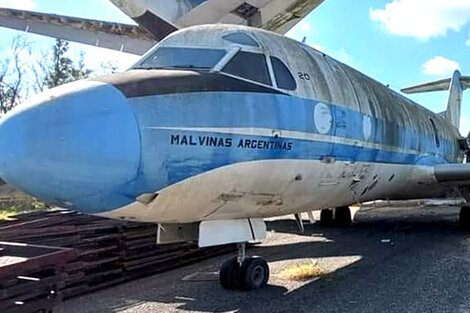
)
(302, 271)
(10, 208)
(6, 216)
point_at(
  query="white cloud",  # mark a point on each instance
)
(422, 18)
(18, 4)
(440, 66)
(468, 41)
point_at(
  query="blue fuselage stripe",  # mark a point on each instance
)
(213, 150)
(165, 162)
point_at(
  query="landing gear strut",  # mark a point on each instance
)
(464, 217)
(244, 273)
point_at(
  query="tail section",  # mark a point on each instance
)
(455, 85)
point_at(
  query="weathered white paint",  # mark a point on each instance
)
(120, 37)
(367, 127)
(168, 10)
(323, 118)
(261, 189)
(329, 80)
(219, 232)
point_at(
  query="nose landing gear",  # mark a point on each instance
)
(244, 273)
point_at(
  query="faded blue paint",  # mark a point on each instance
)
(195, 3)
(225, 109)
(99, 151)
(83, 146)
(164, 164)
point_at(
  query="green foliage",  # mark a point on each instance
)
(10, 208)
(63, 69)
(23, 73)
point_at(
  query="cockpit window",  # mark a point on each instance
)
(241, 38)
(284, 77)
(249, 65)
(188, 58)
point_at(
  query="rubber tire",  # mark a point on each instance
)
(229, 274)
(326, 218)
(343, 216)
(249, 278)
(464, 217)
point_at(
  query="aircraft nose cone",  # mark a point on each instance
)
(77, 145)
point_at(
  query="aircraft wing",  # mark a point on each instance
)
(274, 15)
(121, 37)
(159, 18)
(442, 84)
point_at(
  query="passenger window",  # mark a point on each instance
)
(436, 133)
(249, 65)
(242, 39)
(284, 77)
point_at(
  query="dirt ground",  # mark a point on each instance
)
(394, 259)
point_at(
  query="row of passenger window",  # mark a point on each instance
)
(253, 66)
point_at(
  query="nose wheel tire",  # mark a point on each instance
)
(253, 274)
(229, 274)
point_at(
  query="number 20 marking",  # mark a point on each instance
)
(304, 76)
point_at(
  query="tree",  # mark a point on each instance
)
(63, 70)
(23, 73)
(12, 73)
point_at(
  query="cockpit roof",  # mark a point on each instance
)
(222, 36)
(241, 52)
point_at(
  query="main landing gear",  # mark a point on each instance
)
(244, 273)
(342, 217)
(464, 217)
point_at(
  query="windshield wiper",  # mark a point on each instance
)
(186, 66)
(143, 68)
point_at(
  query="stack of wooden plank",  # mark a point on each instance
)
(108, 251)
(31, 277)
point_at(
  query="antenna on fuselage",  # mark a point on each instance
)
(304, 40)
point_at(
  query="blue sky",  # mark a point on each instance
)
(397, 42)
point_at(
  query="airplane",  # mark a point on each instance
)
(223, 123)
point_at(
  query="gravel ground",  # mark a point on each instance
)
(391, 260)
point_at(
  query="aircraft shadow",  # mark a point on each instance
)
(424, 255)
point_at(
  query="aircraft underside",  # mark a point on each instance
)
(269, 188)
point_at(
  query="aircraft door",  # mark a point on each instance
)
(347, 131)
(335, 169)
